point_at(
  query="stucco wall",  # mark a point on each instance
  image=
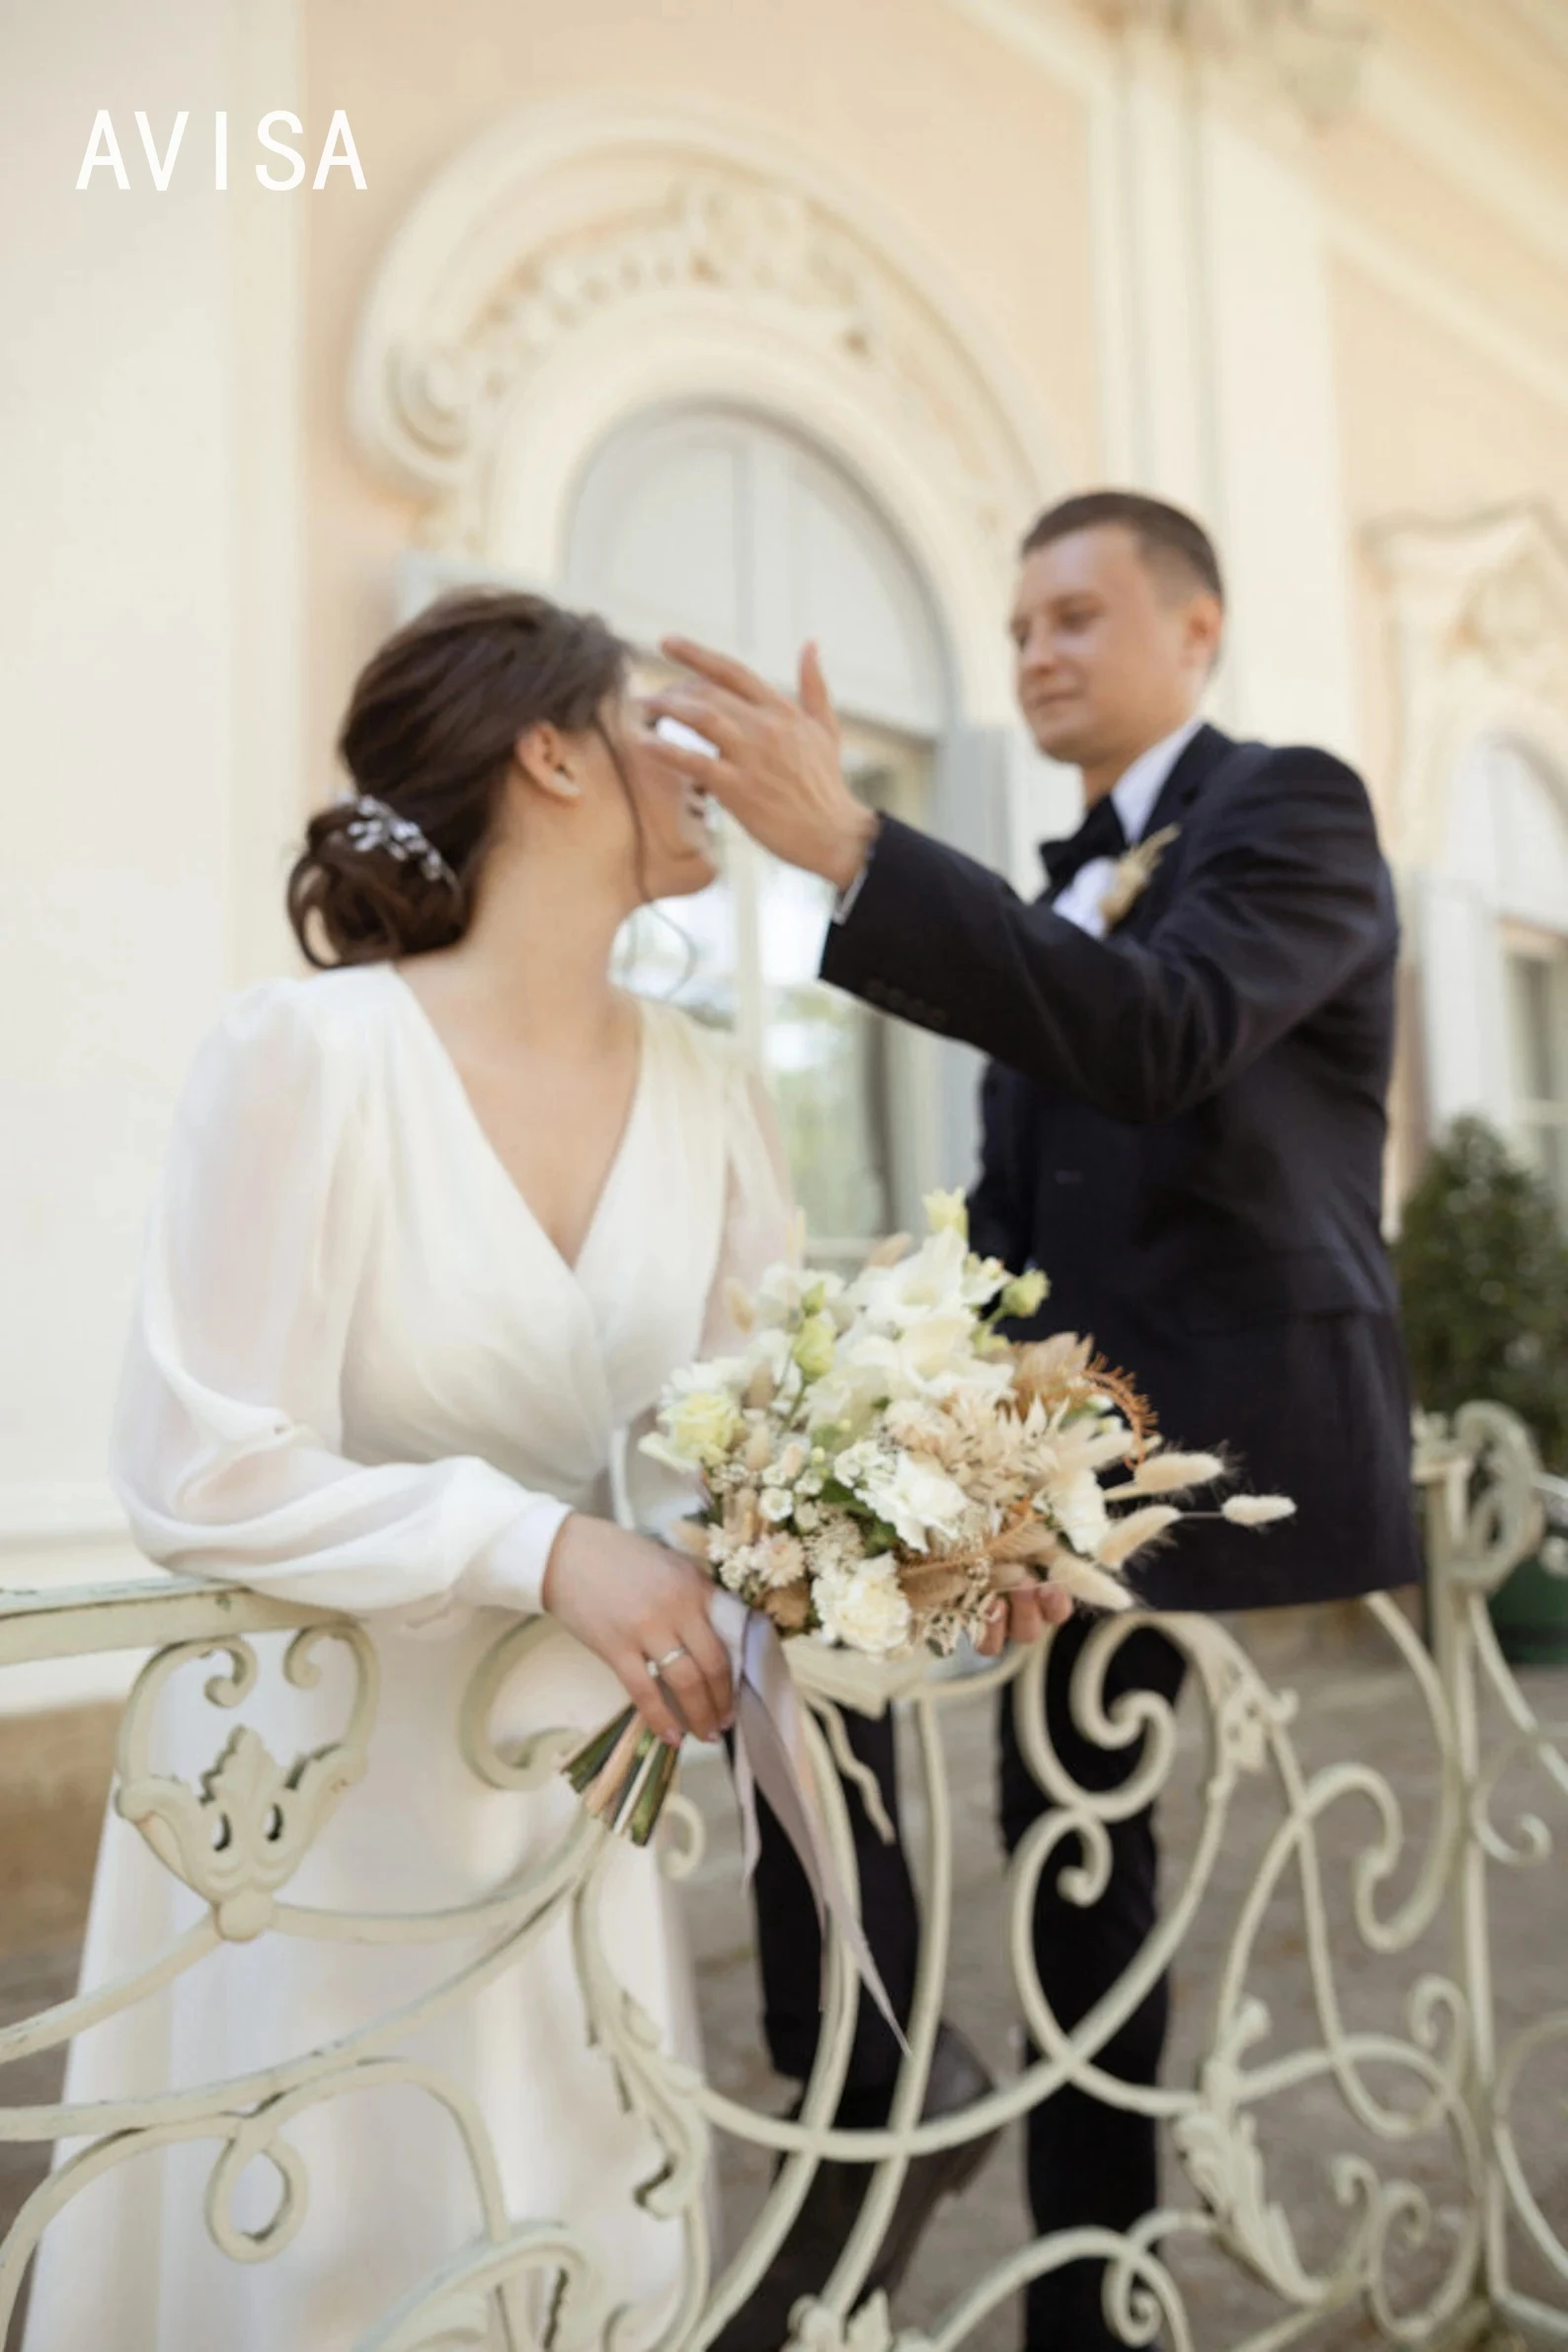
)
(985, 163)
(115, 614)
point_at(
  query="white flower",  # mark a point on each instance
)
(916, 1499)
(768, 1350)
(699, 1419)
(931, 1282)
(806, 1517)
(864, 1607)
(1256, 1511)
(777, 1503)
(1077, 1506)
(1025, 1294)
(856, 1462)
(846, 1397)
(786, 1292)
(947, 1213)
(780, 1559)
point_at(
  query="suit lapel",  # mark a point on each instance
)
(1182, 788)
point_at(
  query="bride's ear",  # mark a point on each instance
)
(544, 758)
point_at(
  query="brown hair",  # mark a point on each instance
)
(1168, 539)
(430, 730)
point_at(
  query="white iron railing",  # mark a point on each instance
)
(1445, 2071)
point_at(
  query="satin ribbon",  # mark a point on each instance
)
(770, 1739)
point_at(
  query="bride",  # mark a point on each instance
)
(435, 1223)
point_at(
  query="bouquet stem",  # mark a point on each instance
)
(623, 1775)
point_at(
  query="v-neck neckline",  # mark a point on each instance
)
(572, 1267)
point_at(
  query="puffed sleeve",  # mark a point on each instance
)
(227, 1451)
(758, 1208)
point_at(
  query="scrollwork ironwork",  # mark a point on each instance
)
(1435, 2075)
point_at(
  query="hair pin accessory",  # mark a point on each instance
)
(376, 826)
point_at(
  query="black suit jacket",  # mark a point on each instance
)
(1184, 1126)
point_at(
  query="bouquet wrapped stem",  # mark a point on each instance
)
(623, 1775)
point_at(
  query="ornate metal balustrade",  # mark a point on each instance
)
(1412, 2233)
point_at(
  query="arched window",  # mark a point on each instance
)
(722, 525)
(1496, 955)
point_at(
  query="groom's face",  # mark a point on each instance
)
(1111, 651)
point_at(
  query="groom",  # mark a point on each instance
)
(1182, 1122)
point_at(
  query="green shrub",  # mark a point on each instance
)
(1482, 1262)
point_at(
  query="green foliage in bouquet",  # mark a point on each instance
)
(1482, 1262)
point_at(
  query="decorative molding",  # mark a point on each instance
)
(1309, 51)
(1485, 592)
(592, 257)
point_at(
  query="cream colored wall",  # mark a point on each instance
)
(147, 616)
(1430, 425)
(114, 618)
(987, 167)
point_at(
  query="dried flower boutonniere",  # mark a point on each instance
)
(1134, 871)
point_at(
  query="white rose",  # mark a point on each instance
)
(864, 1609)
(701, 1425)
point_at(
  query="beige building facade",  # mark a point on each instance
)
(759, 318)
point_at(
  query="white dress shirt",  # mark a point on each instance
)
(1133, 796)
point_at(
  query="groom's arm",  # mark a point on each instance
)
(1282, 898)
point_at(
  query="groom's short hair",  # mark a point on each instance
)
(1173, 544)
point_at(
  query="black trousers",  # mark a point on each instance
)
(790, 1946)
(1086, 2162)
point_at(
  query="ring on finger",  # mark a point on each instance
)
(657, 1666)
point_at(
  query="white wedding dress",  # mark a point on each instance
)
(363, 1377)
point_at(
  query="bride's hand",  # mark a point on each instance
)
(1023, 1616)
(633, 1604)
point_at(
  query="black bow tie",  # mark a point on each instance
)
(1101, 834)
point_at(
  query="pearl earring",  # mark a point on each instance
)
(564, 777)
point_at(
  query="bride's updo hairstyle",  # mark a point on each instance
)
(428, 739)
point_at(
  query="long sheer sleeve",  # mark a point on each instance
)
(758, 1206)
(228, 1443)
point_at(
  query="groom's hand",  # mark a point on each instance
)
(778, 771)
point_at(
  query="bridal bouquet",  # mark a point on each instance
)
(878, 1464)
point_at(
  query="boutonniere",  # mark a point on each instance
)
(1133, 874)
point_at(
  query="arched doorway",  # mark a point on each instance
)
(723, 523)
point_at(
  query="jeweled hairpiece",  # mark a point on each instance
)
(376, 826)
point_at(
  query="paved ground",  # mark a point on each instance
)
(52, 1773)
